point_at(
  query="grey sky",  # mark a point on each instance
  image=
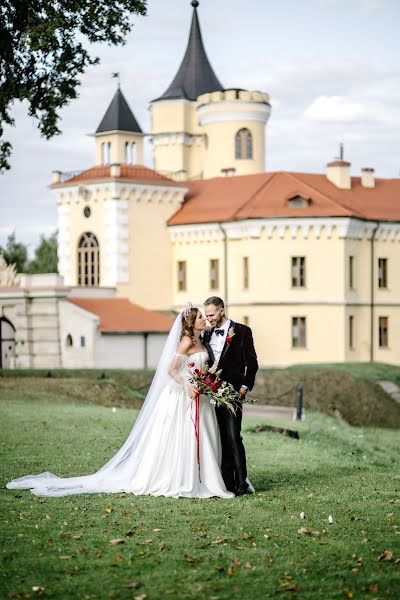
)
(330, 66)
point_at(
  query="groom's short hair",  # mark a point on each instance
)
(218, 302)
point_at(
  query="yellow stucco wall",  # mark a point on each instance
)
(270, 301)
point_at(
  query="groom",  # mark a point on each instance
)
(231, 345)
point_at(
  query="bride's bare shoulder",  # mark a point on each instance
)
(184, 345)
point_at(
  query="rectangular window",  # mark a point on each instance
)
(83, 341)
(351, 332)
(382, 272)
(298, 332)
(246, 272)
(351, 272)
(214, 274)
(298, 271)
(181, 275)
(383, 332)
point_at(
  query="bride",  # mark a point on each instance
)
(164, 455)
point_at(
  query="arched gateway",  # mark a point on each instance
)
(7, 343)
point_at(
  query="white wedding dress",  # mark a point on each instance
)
(160, 457)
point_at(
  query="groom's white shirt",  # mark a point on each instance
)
(217, 342)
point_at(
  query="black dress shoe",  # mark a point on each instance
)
(242, 490)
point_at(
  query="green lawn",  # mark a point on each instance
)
(248, 547)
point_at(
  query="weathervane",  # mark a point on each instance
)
(116, 76)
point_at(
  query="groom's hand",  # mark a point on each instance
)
(243, 390)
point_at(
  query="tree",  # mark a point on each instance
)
(15, 253)
(42, 54)
(46, 260)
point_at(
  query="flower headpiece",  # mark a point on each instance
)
(187, 310)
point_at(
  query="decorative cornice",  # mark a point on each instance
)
(345, 227)
(217, 112)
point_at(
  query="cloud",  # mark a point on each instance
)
(336, 109)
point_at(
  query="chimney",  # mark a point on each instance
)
(115, 170)
(57, 176)
(228, 171)
(368, 177)
(339, 174)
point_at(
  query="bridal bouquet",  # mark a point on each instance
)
(220, 393)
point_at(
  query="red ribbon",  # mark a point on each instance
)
(196, 423)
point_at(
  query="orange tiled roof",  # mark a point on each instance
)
(138, 173)
(266, 195)
(119, 315)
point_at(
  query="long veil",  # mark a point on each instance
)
(120, 469)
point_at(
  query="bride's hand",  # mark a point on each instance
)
(192, 391)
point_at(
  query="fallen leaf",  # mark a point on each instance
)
(65, 557)
(117, 541)
(330, 519)
(235, 562)
(108, 509)
(373, 587)
(38, 589)
(161, 546)
(348, 593)
(133, 585)
(249, 565)
(190, 559)
(230, 571)
(157, 530)
(302, 515)
(140, 597)
(147, 541)
(304, 531)
(386, 555)
(76, 537)
(247, 536)
(130, 533)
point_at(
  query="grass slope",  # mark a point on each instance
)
(216, 549)
(348, 391)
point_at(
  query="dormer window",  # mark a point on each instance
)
(298, 202)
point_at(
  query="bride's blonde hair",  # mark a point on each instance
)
(188, 322)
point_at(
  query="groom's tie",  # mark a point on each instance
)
(219, 331)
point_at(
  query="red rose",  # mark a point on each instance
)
(209, 378)
(197, 372)
(191, 364)
(215, 386)
(229, 339)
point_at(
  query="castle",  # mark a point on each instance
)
(311, 262)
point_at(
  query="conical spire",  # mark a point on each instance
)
(195, 75)
(119, 116)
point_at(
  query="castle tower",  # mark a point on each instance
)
(233, 123)
(119, 138)
(199, 130)
(178, 140)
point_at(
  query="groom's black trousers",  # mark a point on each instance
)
(233, 465)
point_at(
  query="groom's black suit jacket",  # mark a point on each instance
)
(238, 359)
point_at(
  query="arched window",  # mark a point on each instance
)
(243, 144)
(130, 153)
(88, 260)
(69, 342)
(105, 153)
